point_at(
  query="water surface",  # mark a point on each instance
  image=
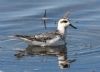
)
(23, 17)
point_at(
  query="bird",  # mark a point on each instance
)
(54, 38)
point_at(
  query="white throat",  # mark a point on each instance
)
(61, 29)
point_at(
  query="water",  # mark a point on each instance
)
(23, 17)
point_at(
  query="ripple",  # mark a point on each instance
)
(23, 17)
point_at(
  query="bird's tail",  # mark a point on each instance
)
(21, 36)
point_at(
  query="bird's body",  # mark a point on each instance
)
(49, 38)
(43, 39)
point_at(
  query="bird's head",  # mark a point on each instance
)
(63, 23)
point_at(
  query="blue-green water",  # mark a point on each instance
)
(23, 17)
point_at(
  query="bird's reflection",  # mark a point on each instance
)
(59, 51)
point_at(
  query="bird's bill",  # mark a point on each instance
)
(73, 26)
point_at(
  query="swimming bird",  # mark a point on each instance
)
(49, 38)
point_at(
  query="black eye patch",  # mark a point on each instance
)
(64, 21)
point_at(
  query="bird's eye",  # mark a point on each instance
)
(64, 21)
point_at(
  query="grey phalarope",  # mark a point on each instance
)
(49, 38)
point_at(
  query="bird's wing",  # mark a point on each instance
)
(39, 37)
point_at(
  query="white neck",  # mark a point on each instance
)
(61, 29)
